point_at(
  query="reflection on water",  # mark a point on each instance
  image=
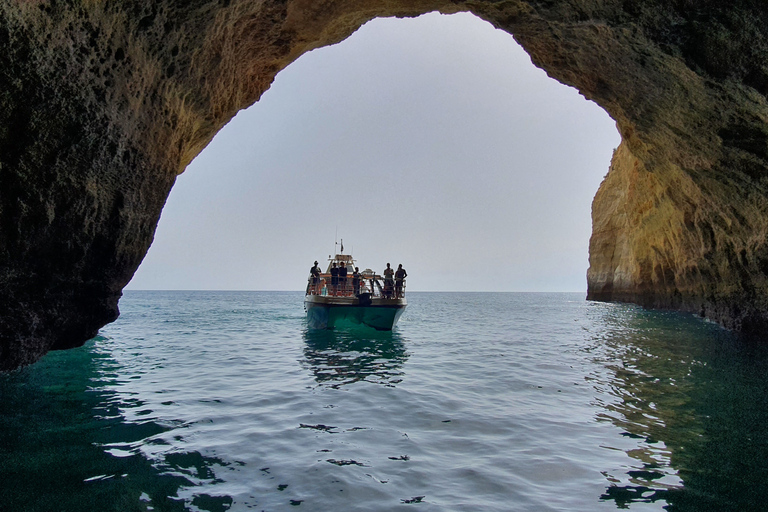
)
(691, 398)
(338, 358)
(205, 402)
(70, 442)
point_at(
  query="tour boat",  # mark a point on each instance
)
(373, 300)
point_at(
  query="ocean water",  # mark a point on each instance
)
(213, 401)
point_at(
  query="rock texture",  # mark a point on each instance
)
(104, 103)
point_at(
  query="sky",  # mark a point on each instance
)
(431, 142)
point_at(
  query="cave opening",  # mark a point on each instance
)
(432, 142)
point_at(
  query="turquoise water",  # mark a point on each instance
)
(476, 402)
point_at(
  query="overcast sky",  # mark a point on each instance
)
(431, 142)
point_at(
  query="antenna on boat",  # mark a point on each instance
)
(342, 246)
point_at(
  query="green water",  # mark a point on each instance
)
(495, 402)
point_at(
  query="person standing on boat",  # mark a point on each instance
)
(334, 277)
(400, 275)
(314, 279)
(343, 279)
(356, 281)
(388, 282)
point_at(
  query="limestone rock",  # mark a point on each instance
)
(103, 104)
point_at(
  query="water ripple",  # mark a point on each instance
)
(494, 402)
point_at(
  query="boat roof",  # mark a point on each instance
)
(340, 258)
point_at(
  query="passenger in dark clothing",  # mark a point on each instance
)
(356, 281)
(334, 278)
(388, 273)
(343, 278)
(314, 279)
(400, 275)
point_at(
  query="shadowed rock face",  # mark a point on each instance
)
(104, 103)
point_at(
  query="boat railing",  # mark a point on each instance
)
(375, 285)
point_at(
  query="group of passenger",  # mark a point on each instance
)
(399, 275)
(339, 279)
(393, 281)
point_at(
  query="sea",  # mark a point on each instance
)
(214, 401)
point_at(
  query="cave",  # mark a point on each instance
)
(104, 104)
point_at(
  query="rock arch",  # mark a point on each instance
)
(104, 103)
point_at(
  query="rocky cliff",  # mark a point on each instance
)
(104, 103)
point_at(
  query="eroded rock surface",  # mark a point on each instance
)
(104, 103)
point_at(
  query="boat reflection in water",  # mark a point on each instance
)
(338, 358)
(343, 301)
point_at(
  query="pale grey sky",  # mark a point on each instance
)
(431, 142)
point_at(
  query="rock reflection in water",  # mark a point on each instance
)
(338, 358)
(72, 441)
(692, 400)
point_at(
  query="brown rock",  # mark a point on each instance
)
(103, 104)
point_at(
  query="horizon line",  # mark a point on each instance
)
(299, 291)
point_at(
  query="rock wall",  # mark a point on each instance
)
(680, 220)
(104, 103)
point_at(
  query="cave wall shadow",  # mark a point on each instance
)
(690, 397)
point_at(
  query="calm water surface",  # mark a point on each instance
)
(217, 401)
